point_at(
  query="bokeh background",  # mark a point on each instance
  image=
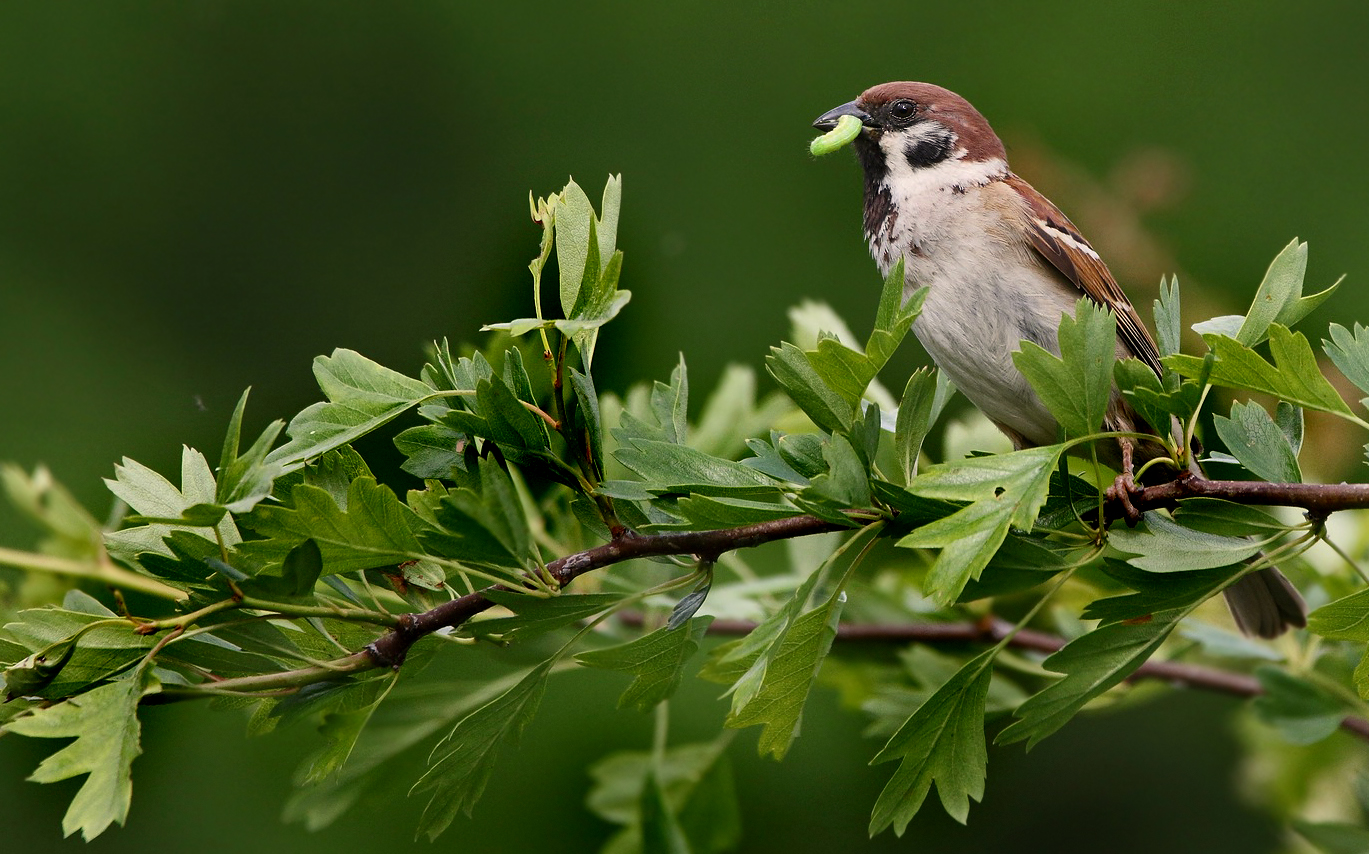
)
(200, 196)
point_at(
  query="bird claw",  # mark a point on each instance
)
(1121, 491)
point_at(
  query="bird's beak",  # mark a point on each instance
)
(828, 120)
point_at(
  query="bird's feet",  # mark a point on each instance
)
(1125, 486)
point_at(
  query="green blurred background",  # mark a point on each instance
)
(200, 196)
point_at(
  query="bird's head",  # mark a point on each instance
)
(908, 125)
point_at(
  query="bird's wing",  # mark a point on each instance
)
(1056, 239)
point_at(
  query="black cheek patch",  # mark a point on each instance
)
(926, 152)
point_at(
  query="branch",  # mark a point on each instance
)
(389, 650)
(1317, 498)
(993, 630)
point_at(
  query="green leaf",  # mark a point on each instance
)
(431, 450)
(1349, 351)
(1077, 385)
(1330, 837)
(104, 722)
(1344, 619)
(1294, 375)
(1168, 323)
(795, 374)
(1091, 664)
(841, 369)
(535, 615)
(845, 484)
(661, 831)
(1302, 712)
(1279, 298)
(1282, 285)
(299, 572)
(894, 317)
(657, 661)
(574, 217)
(374, 530)
(943, 743)
(349, 713)
(773, 668)
(461, 764)
(1290, 421)
(917, 410)
(153, 496)
(698, 788)
(1146, 393)
(587, 426)
(1163, 545)
(362, 396)
(1007, 489)
(670, 468)
(68, 529)
(485, 526)
(1157, 592)
(1253, 438)
(246, 479)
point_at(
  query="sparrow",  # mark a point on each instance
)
(1001, 264)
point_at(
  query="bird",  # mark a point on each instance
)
(1001, 264)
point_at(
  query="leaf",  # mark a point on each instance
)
(1091, 664)
(535, 615)
(1344, 619)
(68, 528)
(1156, 592)
(791, 369)
(1350, 353)
(894, 317)
(943, 743)
(657, 661)
(431, 450)
(361, 396)
(1007, 489)
(915, 417)
(661, 831)
(375, 530)
(587, 425)
(1077, 385)
(1279, 298)
(151, 495)
(461, 764)
(773, 668)
(1290, 421)
(670, 468)
(1168, 324)
(245, 479)
(1282, 285)
(1253, 438)
(1302, 712)
(1294, 375)
(1331, 837)
(299, 572)
(698, 788)
(104, 722)
(1163, 545)
(343, 724)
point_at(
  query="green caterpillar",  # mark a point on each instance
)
(847, 129)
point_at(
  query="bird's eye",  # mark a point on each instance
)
(902, 110)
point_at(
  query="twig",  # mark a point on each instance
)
(992, 630)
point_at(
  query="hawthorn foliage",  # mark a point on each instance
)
(288, 582)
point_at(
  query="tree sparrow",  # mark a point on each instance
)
(1002, 264)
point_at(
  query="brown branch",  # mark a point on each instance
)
(993, 630)
(390, 649)
(1317, 498)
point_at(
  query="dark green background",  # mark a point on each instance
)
(200, 196)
